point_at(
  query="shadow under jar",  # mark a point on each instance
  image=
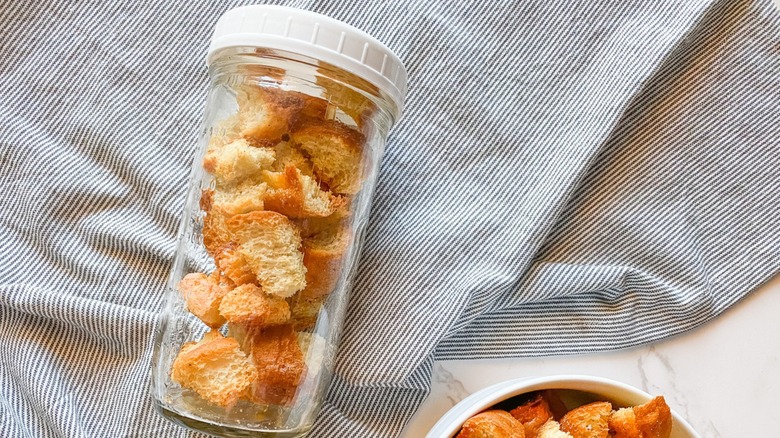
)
(295, 125)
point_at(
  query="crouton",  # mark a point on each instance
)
(313, 108)
(280, 365)
(335, 151)
(323, 255)
(244, 198)
(492, 424)
(288, 155)
(265, 114)
(312, 226)
(249, 306)
(271, 246)
(533, 414)
(622, 423)
(231, 262)
(237, 162)
(215, 368)
(304, 311)
(203, 294)
(551, 429)
(650, 420)
(219, 205)
(588, 421)
(297, 196)
(215, 233)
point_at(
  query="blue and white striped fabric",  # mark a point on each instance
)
(570, 176)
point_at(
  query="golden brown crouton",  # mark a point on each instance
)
(312, 226)
(215, 368)
(323, 256)
(244, 198)
(203, 294)
(304, 311)
(336, 152)
(588, 421)
(265, 114)
(492, 424)
(280, 365)
(622, 423)
(288, 155)
(533, 414)
(313, 108)
(297, 196)
(248, 305)
(215, 233)
(237, 162)
(271, 246)
(650, 420)
(233, 266)
(551, 429)
(654, 418)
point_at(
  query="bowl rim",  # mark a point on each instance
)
(451, 422)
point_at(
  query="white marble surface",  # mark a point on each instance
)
(724, 377)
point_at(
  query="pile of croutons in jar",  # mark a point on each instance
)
(277, 226)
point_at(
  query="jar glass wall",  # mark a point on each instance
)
(278, 200)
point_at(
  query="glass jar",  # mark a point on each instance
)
(298, 111)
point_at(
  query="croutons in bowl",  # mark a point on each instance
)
(562, 406)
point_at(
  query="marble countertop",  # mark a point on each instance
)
(723, 377)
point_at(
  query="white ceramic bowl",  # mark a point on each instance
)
(609, 390)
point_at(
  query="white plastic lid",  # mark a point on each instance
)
(314, 35)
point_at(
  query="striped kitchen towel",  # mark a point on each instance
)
(570, 176)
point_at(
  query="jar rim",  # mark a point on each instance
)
(314, 35)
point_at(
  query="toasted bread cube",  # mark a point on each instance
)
(215, 233)
(551, 429)
(220, 205)
(237, 162)
(248, 305)
(288, 155)
(622, 423)
(297, 196)
(231, 262)
(323, 255)
(492, 424)
(314, 108)
(650, 420)
(280, 365)
(533, 414)
(304, 311)
(244, 198)
(203, 294)
(313, 226)
(265, 114)
(588, 421)
(335, 151)
(271, 246)
(215, 368)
